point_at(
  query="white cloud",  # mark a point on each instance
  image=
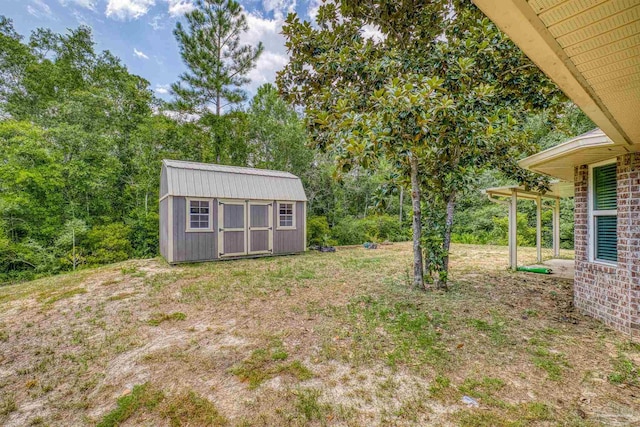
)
(372, 32)
(179, 7)
(280, 8)
(157, 22)
(87, 4)
(82, 20)
(139, 54)
(265, 71)
(312, 9)
(39, 9)
(128, 9)
(181, 117)
(274, 57)
(162, 89)
(263, 30)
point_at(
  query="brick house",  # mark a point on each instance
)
(607, 227)
(591, 49)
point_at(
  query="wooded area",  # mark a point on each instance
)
(82, 139)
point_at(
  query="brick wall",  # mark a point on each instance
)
(608, 293)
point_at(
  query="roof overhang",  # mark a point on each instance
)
(557, 189)
(591, 49)
(560, 161)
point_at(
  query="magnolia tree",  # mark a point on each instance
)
(439, 93)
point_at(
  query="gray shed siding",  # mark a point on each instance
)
(164, 227)
(180, 181)
(192, 246)
(233, 242)
(164, 186)
(259, 240)
(289, 241)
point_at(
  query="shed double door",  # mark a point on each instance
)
(244, 228)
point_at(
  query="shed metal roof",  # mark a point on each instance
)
(192, 179)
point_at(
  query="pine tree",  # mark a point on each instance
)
(218, 63)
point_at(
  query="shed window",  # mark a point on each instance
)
(199, 215)
(286, 216)
(604, 213)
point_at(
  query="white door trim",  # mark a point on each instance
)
(221, 229)
(268, 228)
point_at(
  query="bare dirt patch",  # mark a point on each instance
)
(314, 339)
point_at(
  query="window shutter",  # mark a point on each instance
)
(605, 188)
(606, 238)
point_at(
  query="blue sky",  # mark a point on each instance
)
(139, 32)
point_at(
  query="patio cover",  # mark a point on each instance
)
(591, 50)
(509, 196)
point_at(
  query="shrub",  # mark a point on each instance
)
(353, 231)
(470, 239)
(526, 234)
(317, 230)
(144, 233)
(389, 228)
(348, 232)
(108, 243)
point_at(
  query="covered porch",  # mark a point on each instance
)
(509, 196)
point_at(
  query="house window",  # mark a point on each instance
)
(199, 215)
(286, 216)
(604, 214)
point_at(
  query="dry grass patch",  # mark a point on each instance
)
(315, 339)
(142, 398)
(148, 402)
(158, 318)
(264, 364)
(190, 409)
(49, 298)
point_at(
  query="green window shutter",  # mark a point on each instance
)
(607, 238)
(605, 186)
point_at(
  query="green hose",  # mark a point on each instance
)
(540, 270)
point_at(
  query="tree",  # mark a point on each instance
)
(73, 231)
(15, 57)
(218, 63)
(276, 133)
(68, 117)
(438, 96)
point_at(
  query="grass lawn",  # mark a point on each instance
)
(314, 339)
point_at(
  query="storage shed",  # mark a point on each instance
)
(210, 212)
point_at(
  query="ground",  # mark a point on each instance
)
(313, 339)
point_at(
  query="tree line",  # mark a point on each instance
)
(392, 134)
(82, 140)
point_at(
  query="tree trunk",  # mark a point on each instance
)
(446, 243)
(218, 101)
(401, 201)
(418, 271)
(73, 242)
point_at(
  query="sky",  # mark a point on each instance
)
(140, 32)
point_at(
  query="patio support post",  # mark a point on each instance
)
(556, 228)
(539, 228)
(513, 230)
